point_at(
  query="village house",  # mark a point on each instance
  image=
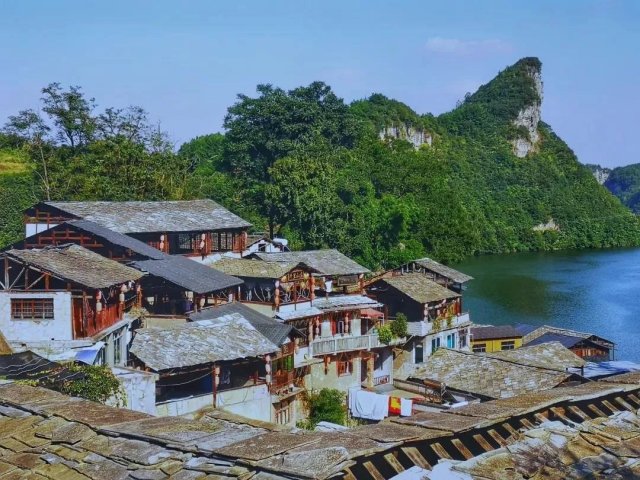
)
(586, 345)
(199, 229)
(59, 300)
(173, 285)
(230, 357)
(434, 313)
(340, 345)
(494, 338)
(505, 374)
(442, 274)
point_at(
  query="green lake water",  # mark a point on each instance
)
(594, 291)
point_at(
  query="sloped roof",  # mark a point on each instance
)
(273, 330)
(567, 341)
(444, 270)
(326, 262)
(187, 274)
(116, 238)
(241, 267)
(419, 288)
(158, 216)
(345, 302)
(227, 338)
(77, 264)
(551, 355)
(486, 376)
(494, 332)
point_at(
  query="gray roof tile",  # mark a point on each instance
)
(159, 216)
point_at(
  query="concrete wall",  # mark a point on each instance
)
(318, 379)
(184, 406)
(252, 402)
(59, 328)
(139, 388)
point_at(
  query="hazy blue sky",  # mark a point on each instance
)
(185, 61)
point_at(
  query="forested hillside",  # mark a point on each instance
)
(374, 179)
(623, 182)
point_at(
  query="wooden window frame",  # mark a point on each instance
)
(45, 307)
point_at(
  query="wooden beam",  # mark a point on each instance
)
(527, 424)
(610, 406)
(559, 412)
(394, 463)
(486, 446)
(620, 401)
(497, 437)
(596, 410)
(440, 451)
(349, 474)
(577, 412)
(416, 457)
(462, 449)
(373, 471)
(509, 429)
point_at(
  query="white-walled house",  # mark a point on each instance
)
(434, 313)
(65, 299)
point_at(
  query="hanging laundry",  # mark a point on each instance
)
(406, 407)
(368, 405)
(394, 405)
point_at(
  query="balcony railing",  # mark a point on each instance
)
(337, 344)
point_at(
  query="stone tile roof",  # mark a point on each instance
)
(187, 274)
(44, 434)
(241, 267)
(326, 262)
(76, 264)
(276, 332)
(116, 238)
(599, 448)
(486, 376)
(444, 270)
(296, 314)
(345, 302)
(419, 288)
(551, 355)
(480, 332)
(159, 216)
(199, 343)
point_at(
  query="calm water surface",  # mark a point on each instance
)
(594, 291)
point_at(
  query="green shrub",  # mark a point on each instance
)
(384, 334)
(327, 405)
(399, 326)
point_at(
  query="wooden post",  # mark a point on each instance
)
(312, 287)
(215, 379)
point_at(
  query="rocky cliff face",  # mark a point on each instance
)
(417, 137)
(602, 174)
(528, 118)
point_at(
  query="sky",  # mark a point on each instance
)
(185, 62)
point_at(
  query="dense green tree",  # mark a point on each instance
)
(275, 124)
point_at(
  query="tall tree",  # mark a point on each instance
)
(275, 124)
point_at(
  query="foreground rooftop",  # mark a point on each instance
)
(48, 434)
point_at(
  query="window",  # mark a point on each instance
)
(508, 345)
(283, 412)
(32, 308)
(344, 367)
(435, 344)
(117, 348)
(480, 348)
(451, 340)
(463, 339)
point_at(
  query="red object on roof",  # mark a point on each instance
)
(371, 313)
